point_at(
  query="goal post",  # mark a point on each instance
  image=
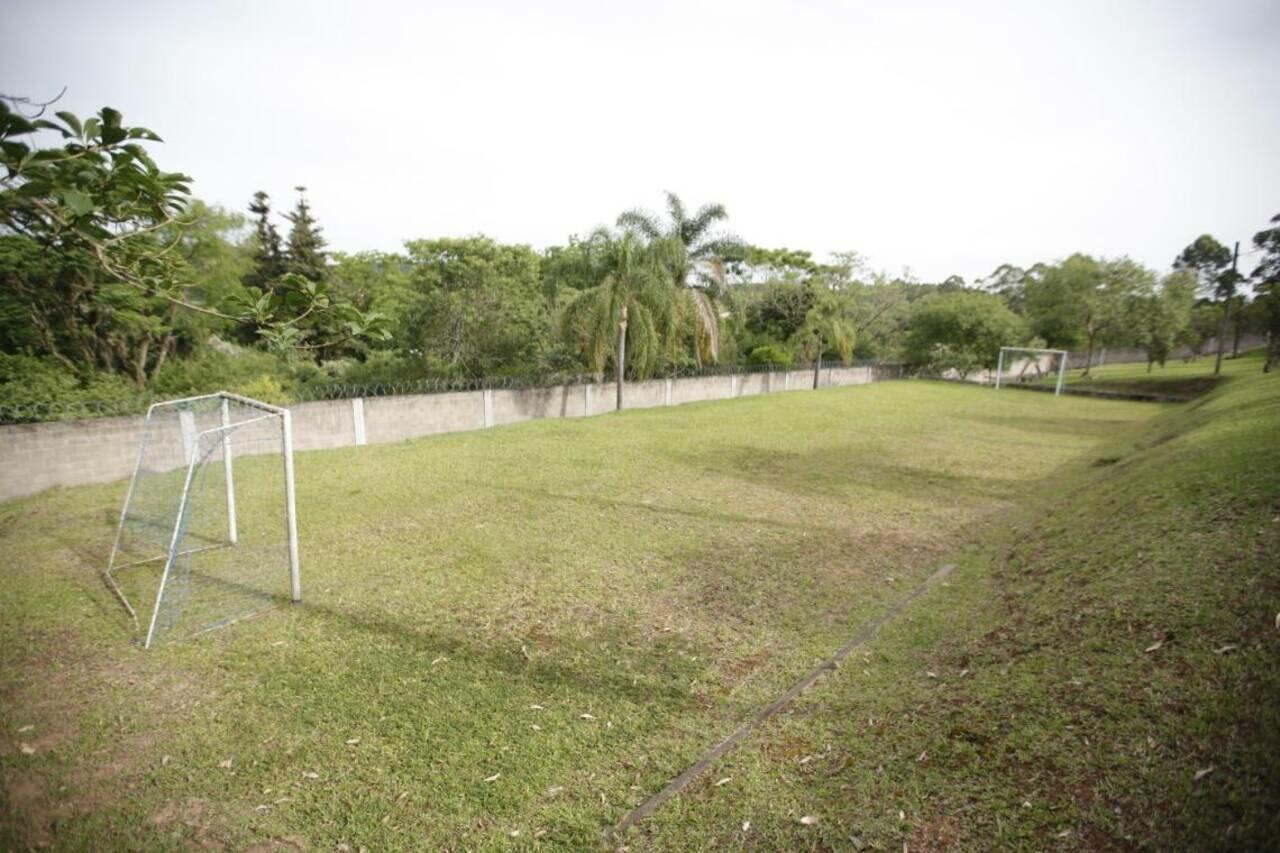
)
(1030, 358)
(208, 531)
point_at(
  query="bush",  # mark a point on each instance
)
(39, 389)
(224, 368)
(771, 355)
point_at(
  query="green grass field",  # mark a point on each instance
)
(511, 638)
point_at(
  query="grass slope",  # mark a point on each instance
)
(1178, 378)
(512, 637)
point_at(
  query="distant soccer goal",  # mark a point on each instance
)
(1029, 364)
(208, 533)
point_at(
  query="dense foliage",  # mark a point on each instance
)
(117, 285)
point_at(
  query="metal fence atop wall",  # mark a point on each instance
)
(41, 412)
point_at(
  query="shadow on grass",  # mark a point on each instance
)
(833, 473)
(1096, 428)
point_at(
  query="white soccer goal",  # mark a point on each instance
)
(1028, 364)
(208, 533)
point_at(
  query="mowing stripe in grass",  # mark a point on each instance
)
(678, 784)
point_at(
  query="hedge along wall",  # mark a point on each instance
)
(35, 457)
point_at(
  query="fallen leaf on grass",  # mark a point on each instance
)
(352, 741)
(438, 660)
(494, 777)
(1064, 834)
(724, 781)
(535, 707)
(746, 824)
(1151, 648)
(806, 759)
(225, 764)
(808, 820)
(27, 749)
(585, 717)
(554, 789)
(26, 729)
(902, 815)
(1229, 647)
(1200, 774)
(922, 756)
(536, 727)
(164, 760)
(310, 775)
(515, 833)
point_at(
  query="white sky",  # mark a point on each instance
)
(946, 137)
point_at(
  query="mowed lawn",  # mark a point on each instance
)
(511, 637)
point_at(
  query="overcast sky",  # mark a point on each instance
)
(945, 137)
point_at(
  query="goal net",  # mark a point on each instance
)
(208, 533)
(1030, 365)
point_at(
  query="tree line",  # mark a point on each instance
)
(116, 283)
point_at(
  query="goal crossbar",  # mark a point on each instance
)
(1062, 363)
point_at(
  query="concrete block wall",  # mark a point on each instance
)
(34, 457)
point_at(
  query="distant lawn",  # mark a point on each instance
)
(1178, 377)
(512, 637)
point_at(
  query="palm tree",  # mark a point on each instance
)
(632, 308)
(685, 242)
(827, 327)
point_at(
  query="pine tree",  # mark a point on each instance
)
(306, 255)
(268, 258)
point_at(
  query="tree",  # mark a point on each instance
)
(269, 263)
(1160, 316)
(477, 307)
(630, 314)
(102, 204)
(1206, 318)
(828, 326)
(781, 310)
(1083, 301)
(1009, 282)
(1267, 286)
(218, 250)
(688, 245)
(306, 256)
(1211, 262)
(961, 331)
(376, 282)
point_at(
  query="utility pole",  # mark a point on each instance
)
(1226, 308)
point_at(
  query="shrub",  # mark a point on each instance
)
(770, 355)
(38, 389)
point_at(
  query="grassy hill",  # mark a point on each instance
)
(1177, 378)
(511, 638)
